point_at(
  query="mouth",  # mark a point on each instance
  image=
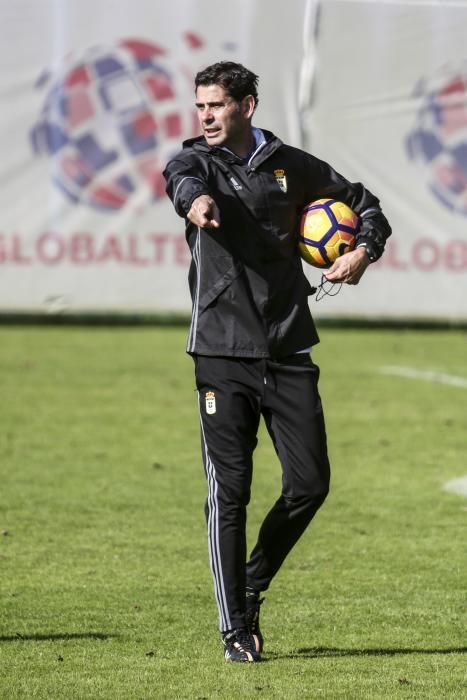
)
(211, 131)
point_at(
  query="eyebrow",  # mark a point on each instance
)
(219, 103)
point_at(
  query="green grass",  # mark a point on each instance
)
(105, 585)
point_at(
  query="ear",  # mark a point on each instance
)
(248, 106)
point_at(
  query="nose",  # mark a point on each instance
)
(206, 115)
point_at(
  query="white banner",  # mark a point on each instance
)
(387, 106)
(96, 95)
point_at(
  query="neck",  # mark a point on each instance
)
(242, 146)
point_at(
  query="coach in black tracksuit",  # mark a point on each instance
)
(241, 191)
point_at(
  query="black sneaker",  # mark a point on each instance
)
(239, 646)
(253, 603)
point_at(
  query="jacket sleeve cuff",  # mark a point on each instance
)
(187, 190)
(370, 247)
(374, 232)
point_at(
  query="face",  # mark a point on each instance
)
(224, 121)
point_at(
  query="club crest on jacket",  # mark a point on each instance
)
(281, 179)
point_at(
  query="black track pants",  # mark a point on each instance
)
(233, 394)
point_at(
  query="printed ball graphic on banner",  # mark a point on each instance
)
(110, 122)
(439, 141)
(328, 229)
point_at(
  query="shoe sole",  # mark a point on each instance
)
(251, 660)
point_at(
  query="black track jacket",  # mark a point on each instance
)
(249, 292)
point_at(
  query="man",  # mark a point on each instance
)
(251, 331)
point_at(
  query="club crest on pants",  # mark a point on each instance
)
(210, 403)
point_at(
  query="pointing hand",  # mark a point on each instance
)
(204, 212)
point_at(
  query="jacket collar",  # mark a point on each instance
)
(271, 144)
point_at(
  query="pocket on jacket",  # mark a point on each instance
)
(209, 295)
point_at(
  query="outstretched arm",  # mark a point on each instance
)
(186, 182)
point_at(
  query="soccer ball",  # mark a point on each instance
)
(328, 229)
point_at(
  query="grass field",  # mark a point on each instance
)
(105, 586)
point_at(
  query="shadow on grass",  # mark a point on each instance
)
(327, 652)
(56, 637)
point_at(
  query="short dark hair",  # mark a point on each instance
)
(237, 81)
